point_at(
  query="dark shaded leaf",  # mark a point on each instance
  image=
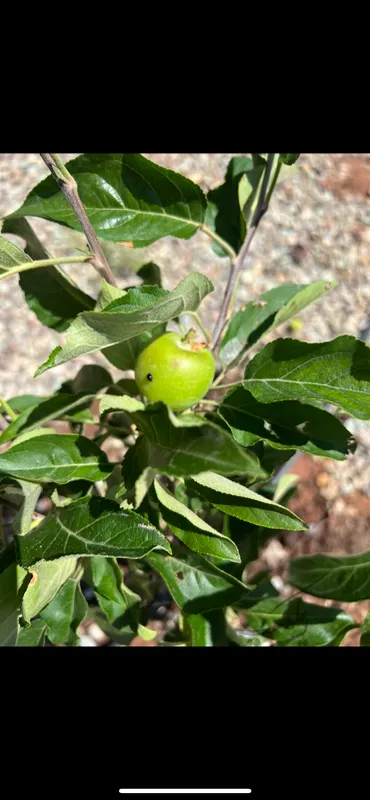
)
(365, 631)
(125, 386)
(295, 623)
(289, 158)
(186, 444)
(89, 380)
(285, 425)
(150, 274)
(224, 213)
(248, 539)
(49, 293)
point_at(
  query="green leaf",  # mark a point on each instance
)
(150, 274)
(344, 578)
(238, 501)
(243, 638)
(24, 401)
(123, 636)
(137, 297)
(90, 526)
(33, 635)
(289, 158)
(125, 386)
(24, 437)
(335, 372)
(13, 582)
(224, 212)
(59, 458)
(107, 294)
(49, 293)
(186, 444)
(126, 197)
(285, 486)
(295, 623)
(192, 530)
(89, 380)
(196, 585)
(54, 407)
(248, 191)
(47, 578)
(11, 256)
(97, 330)
(365, 631)
(207, 630)
(120, 605)
(31, 493)
(264, 314)
(248, 539)
(125, 355)
(65, 613)
(138, 476)
(288, 425)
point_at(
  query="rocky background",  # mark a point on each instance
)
(317, 228)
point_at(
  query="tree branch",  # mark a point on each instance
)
(238, 263)
(68, 186)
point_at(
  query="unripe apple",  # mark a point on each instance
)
(176, 370)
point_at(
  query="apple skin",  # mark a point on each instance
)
(181, 371)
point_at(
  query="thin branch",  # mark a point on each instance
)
(44, 262)
(68, 186)
(238, 263)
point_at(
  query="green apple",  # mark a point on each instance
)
(176, 370)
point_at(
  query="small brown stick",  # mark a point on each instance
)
(68, 186)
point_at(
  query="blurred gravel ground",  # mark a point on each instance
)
(317, 228)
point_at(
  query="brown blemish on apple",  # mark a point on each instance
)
(198, 346)
(34, 576)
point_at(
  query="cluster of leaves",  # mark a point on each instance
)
(195, 494)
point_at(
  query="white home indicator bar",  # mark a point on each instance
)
(185, 791)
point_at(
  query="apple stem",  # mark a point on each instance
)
(189, 336)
